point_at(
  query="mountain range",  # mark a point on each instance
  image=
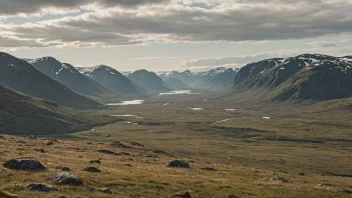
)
(69, 76)
(303, 77)
(111, 79)
(19, 75)
(148, 80)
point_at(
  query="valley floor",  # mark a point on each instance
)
(307, 145)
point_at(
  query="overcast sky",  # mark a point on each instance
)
(163, 35)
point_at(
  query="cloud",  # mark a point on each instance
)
(28, 7)
(323, 44)
(131, 22)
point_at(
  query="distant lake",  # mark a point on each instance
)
(129, 102)
(180, 92)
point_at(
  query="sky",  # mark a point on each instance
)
(165, 35)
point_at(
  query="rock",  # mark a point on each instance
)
(107, 152)
(89, 142)
(4, 194)
(50, 143)
(31, 137)
(182, 195)
(119, 144)
(92, 169)
(2, 137)
(301, 174)
(94, 161)
(208, 169)
(67, 179)
(65, 169)
(325, 185)
(41, 187)
(341, 190)
(177, 164)
(39, 150)
(105, 190)
(276, 179)
(136, 144)
(24, 164)
(233, 196)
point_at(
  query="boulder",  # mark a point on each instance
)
(65, 178)
(24, 164)
(182, 195)
(177, 164)
(39, 150)
(65, 169)
(41, 187)
(105, 190)
(92, 169)
(275, 179)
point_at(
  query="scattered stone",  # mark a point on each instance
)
(182, 195)
(301, 174)
(136, 144)
(67, 179)
(24, 164)
(31, 137)
(89, 142)
(65, 169)
(50, 143)
(276, 179)
(119, 144)
(208, 169)
(4, 194)
(107, 152)
(39, 150)
(341, 190)
(325, 185)
(105, 190)
(41, 187)
(92, 169)
(177, 164)
(94, 161)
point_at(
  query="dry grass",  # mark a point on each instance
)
(313, 139)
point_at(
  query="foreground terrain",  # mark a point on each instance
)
(237, 150)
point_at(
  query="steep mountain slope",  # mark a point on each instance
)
(323, 80)
(252, 69)
(19, 75)
(111, 78)
(304, 77)
(21, 114)
(69, 76)
(175, 84)
(148, 80)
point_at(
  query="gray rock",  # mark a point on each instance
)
(39, 150)
(65, 169)
(95, 161)
(24, 164)
(65, 178)
(105, 190)
(276, 179)
(92, 169)
(182, 195)
(342, 190)
(41, 187)
(177, 164)
(325, 185)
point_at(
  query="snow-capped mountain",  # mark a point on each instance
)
(68, 75)
(307, 76)
(218, 77)
(111, 78)
(19, 75)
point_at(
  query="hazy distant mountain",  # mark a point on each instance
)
(175, 84)
(69, 76)
(111, 78)
(214, 78)
(307, 76)
(148, 80)
(19, 75)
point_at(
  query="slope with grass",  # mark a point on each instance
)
(19, 75)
